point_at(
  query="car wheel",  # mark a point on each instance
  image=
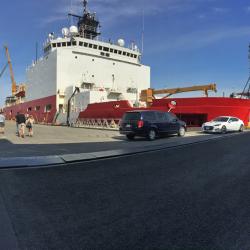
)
(241, 128)
(130, 137)
(151, 134)
(224, 130)
(181, 132)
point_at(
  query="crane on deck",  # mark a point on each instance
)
(147, 95)
(13, 82)
(17, 91)
(3, 70)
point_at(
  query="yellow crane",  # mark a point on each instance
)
(13, 82)
(147, 95)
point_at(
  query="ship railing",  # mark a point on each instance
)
(98, 123)
(130, 45)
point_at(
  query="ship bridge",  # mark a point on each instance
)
(84, 38)
(95, 48)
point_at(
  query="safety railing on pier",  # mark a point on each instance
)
(111, 124)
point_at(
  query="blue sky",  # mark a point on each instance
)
(186, 41)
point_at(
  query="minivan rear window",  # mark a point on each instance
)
(148, 116)
(132, 116)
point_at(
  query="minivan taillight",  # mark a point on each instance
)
(140, 124)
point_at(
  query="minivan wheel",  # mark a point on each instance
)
(181, 132)
(130, 137)
(151, 134)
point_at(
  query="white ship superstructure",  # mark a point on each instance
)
(103, 71)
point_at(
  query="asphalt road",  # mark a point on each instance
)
(194, 197)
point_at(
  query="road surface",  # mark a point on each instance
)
(193, 197)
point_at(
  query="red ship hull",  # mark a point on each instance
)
(194, 111)
(36, 108)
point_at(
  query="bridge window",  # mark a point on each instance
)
(54, 45)
(74, 43)
(47, 108)
(107, 54)
(124, 53)
(90, 45)
(80, 43)
(106, 49)
(85, 44)
(115, 51)
(59, 44)
(111, 50)
(95, 46)
(119, 52)
(100, 47)
(68, 43)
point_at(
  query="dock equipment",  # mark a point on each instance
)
(13, 82)
(148, 95)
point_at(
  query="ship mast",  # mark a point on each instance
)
(85, 3)
(88, 24)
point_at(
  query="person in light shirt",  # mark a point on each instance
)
(29, 125)
(2, 122)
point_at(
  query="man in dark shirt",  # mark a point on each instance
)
(20, 120)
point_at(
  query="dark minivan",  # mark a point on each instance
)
(150, 124)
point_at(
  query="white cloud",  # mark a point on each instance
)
(111, 10)
(52, 19)
(202, 16)
(220, 10)
(199, 39)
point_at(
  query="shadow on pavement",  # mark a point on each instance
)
(9, 149)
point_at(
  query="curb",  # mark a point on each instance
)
(15, 162)
(49, 161)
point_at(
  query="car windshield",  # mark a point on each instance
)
(131, 116)
(221, 119)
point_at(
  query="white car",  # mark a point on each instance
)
(223, 124)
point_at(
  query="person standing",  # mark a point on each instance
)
(20, 121)
(17, 123)
(29, 125)
(2, 122)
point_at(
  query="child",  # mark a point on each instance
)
(29, 125)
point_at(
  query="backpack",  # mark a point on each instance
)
(28, 125)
